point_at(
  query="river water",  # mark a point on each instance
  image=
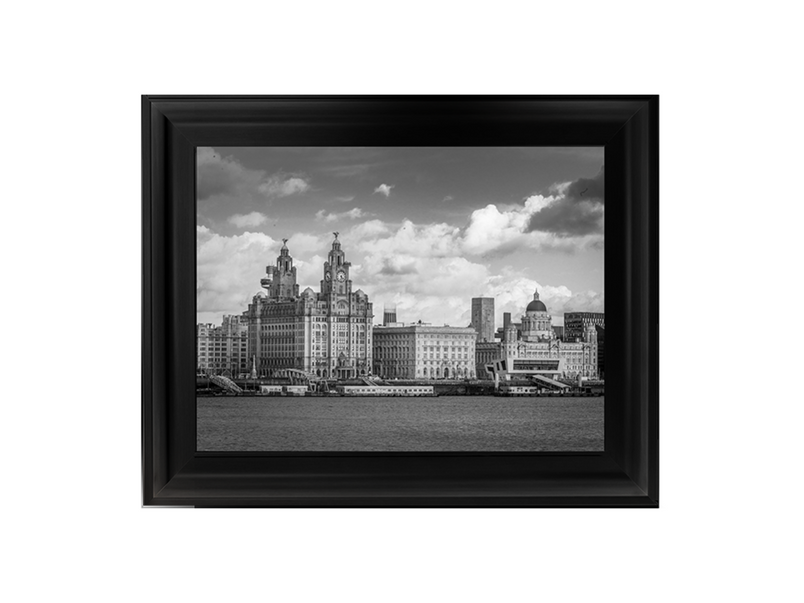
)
(445, 423)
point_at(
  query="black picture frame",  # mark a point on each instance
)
(625, 474)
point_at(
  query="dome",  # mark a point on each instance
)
(536, 306)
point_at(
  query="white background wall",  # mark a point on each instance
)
(729, 527)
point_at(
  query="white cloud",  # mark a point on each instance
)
(369, 229)
(352, 214)
(425, 271)
(303, 245)
(501, 230)
(253, 219)
(512, 292)
(229, 269)
(423, 268)
(279, 185)
(422, 240)
(490, 229)
(384, 189)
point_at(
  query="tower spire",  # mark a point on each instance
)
(280, 278)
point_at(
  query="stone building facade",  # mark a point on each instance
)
(531, 348)
(222, 349)
(422, 351)
(325, 333)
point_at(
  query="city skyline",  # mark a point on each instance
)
(425, 229)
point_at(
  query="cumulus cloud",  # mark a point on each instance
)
(430, 270)
(229, 270)
(280, 185)
(253, 219)
(421, 268)
(352, 214)
(370, 229)
(398, 265)
(384, 189)
(494, 231)
(513, 291)
(417, 240)
(425, 271)
(577, 210)
(569, 218)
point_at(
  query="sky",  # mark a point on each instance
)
(426, 229)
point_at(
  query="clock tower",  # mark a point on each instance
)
(336, 271)
(326, 334)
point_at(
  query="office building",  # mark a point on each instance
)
(576, 323)
(324, 334)
(389, 315)
(222, 349)
(483, 318)
(485, 355)
(423, 351)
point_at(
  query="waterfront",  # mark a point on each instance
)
(445, 423)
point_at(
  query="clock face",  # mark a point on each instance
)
(341, 276)
(327, 276)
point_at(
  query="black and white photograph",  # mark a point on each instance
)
(324, 302)
(400, 299)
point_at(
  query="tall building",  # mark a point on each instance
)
(483, 318)
(222, 349)
(576, 323)
(325, 333)
(422, 351)
(530, 349)
(388, 315)
(601, 351)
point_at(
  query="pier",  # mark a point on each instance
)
(215, 385)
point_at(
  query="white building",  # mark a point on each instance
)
(222, 349)
(422, 351)
(531, 348)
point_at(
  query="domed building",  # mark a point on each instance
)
(530, 350)
(537, 325)
(325, 333)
